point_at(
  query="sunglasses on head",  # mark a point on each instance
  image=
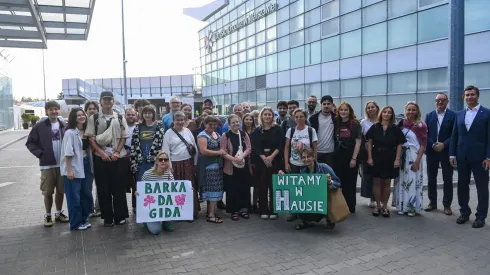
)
(163, 160)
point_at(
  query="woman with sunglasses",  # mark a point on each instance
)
(147, 139)
(76, 167)
(210, 163)
(159, 172)
(181, 146)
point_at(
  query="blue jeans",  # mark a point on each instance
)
(155, 228)
(79, 197)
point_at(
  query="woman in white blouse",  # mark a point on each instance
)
(367, 184)
(181, 146)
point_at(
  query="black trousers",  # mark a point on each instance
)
(465, 168)
(433, 160)
(111, 189)
(237, 189)
(326, 158)
(347, 176)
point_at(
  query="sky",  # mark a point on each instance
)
(160, 40)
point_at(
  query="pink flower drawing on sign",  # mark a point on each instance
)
(180, 200)
(149, 200)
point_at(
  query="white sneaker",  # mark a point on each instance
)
(411, 214)
(273, 217)
(401, 213)
(82, 227)
(264, 217)
(88, 225)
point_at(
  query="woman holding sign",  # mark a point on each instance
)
(159, 172)
(210, 165)
(236, 169)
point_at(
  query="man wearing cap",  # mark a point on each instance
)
(107, 133)
(208, 103)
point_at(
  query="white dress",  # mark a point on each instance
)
(408, 187)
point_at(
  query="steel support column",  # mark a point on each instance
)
(456, 54)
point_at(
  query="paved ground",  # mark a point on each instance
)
(9, 136)
(428, 244)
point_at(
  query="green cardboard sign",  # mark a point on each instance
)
(300, 193)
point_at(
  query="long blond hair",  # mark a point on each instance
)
(418, 117)
(265, 109)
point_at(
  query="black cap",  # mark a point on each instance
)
(207, 99)
(106, 94)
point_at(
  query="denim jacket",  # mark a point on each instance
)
(322, 168)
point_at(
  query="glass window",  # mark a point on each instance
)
(251, 29)
(242, 71)
(260, 50)
(260, 38)
(283, 61)
(330, 10)
(476, 17)
(284, 93)
(261, 96)
(347, 6)
(250, 53)
(272, 47)
(380, 100)
(272, 63)
(234, 59)
(226, 74)
(296, 23)
(426, 102)
(433, 80)
(312, 17)
(311, 4)
(270, 20)
(477, 75)
(234, 73)
(402, 31)
(313, 33)
(369, 2)
(314, 89)
(283, 43)
(375, 85)
(297, 57)
(272, 96)
(234, 37)
(402, 83)
(331, 88)
(242, 33)
(398, 103)
(242, 56)
(226, 51)
(401, 7)
(330, 27)
(271, 33)
(374, 14)
(242, 97)
(297, 8)
(251, 68)
(226, 61)
(260, 25)
(350, 44)
(234, 98)
(350, 87)
(330, 49)
(283, 14)
(350, 21)
(374, 38)
(234, 48)
(283, 29)
(433, 23)
(251, 41)
(260, 68)
(298, 92)
(297, 38)
(242, 45)
(313, 53)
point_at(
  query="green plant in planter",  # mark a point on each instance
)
(26, 117)
(34, 119)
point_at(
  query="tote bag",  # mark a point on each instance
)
(338, 211)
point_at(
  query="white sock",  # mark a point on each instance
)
(58, 212)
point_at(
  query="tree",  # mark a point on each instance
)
(60, 96)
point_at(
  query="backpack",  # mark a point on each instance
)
(310, 136)
(96, 120)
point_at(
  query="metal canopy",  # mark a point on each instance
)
(31, 23)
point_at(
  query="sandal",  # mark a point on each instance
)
(214, 220)
(386, 213)
(244, 215)
(376, 212)
(234, 217)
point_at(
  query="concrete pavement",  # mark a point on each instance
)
(431, 243)
(9, 137)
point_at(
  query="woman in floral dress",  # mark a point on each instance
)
(408, 186)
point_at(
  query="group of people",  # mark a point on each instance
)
(249, 147)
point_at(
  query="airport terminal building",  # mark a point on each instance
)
(390, 51)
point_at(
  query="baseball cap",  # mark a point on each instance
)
(208, 100)
(106, 94)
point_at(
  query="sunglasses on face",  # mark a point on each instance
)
(163, 160)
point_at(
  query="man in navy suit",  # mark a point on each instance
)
(440, 127)
(470, 152)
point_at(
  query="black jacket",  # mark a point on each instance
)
(40, 142)
(314, 120)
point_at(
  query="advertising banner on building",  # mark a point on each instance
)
(164, 201)
(300, 193)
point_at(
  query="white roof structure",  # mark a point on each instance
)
(31, 23)
(205, 12)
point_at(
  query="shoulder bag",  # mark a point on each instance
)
(190, 148)
(239, 152)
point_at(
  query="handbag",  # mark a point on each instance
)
(403, 155)
(190, 148)
(239, 152)
(338, 211)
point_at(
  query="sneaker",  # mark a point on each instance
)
(88, 225)
(61, 217)
(411, 214)
(372, 204)
(168, 226)
(82, 227)
(121, 222)
(48, 221)
(108, 224)
(401, 213)
(97, 213)
(273, 217)
(264, 217)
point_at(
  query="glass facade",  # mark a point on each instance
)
(6, 97)
(390, 51)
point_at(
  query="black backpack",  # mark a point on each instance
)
(310, 136)
(96, 120)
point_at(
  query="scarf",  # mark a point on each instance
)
(419, 129)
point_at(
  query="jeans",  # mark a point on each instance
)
(154, 227)
(79, 197)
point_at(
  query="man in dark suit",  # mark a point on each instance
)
(470, 152)
(440, 127)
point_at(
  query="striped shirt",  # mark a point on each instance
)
(150, 176)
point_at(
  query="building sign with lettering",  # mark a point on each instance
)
(300, 193)
(249, 18)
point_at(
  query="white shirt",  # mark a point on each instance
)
(325, 132)
(298, 142)
(366, 125)
(440, 118)
(174, 146)
(130, 138)
(470, 116)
